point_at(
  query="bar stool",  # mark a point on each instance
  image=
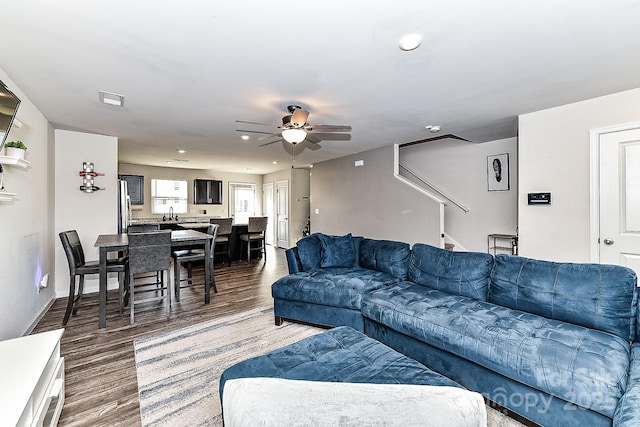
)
(222, 241)
(255, 233)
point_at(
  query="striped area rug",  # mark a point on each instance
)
(179, 371)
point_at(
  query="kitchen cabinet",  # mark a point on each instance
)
(207, 192)
(135, 186)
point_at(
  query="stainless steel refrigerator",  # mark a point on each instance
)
(124, 206)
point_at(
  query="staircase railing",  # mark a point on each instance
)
(428, 190)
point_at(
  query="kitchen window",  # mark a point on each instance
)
(167, 194)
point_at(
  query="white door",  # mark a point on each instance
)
(283, 214)
(619, 241)
(242, 201)
(268, 211)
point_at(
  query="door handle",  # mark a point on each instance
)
(608, 241)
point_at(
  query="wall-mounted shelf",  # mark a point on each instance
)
(6, 197)
(14, 161)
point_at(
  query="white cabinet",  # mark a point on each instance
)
(32, 378)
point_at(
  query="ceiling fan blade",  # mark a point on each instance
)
(252, 131)
(256, 123)
(313, 138)
(279, 134)
(299, 117)
(272, 142)
(328, 128)
(325, 136)
(312, 146)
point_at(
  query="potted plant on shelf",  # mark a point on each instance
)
(15, 149)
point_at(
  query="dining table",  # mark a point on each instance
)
(120, 242)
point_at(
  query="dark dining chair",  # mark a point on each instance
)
(222, 247)
(147, 228)
(255, 234)
(188, 257)
(78, 266)
(149, 252)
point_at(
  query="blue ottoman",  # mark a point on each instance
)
(339, 355)
(379, 386)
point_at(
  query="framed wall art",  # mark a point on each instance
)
(498, 172)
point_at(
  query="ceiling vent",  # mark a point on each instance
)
(111, 98)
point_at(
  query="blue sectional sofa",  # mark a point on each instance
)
(553, 342)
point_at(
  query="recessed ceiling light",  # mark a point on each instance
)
(274, 162)
(245, 137)
(111, 98)
(181, 151)
(410, 42)
(433, 129)
(169, 162)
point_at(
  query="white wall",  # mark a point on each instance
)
(90, 214)
(459, 170)
(155, 172)
(25, 224)
(555, 153)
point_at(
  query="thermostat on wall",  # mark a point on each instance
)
(539, 198)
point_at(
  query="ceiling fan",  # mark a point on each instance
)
(295, 129)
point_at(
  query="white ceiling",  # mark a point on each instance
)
(189, 69)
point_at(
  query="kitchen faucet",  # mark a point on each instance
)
(170, 213)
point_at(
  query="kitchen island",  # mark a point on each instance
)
(200, 223)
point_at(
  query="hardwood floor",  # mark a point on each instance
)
(101, 383)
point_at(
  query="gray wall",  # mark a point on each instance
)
(459, 169)
(369, 201)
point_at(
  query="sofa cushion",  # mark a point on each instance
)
(385, 255)
(337, 251)
(597, 296)
(458, 273)
(628, 411)
(336, 287)
(309, 251)
(580, 365)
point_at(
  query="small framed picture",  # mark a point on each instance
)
(498, 172)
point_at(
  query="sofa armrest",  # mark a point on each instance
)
(627, 412)
(293, 260)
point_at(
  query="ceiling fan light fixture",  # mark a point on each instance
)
(294, 136)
